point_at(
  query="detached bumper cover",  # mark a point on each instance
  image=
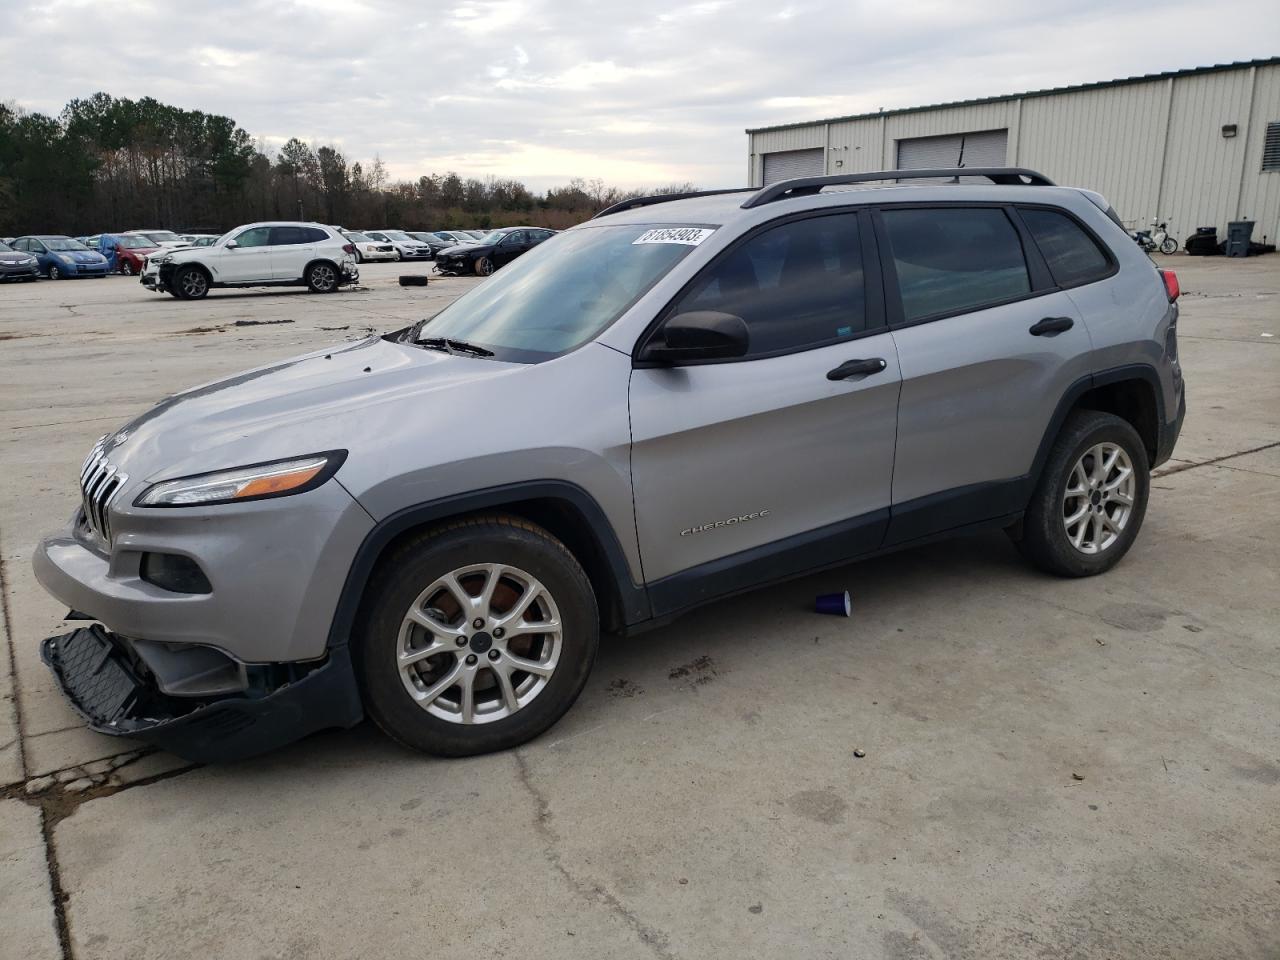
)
(109, 691)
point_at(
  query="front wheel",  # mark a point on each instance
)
(322, 278)
(484, 267)
(126, 268)
(475, 636)
(55, 273)
(1168, 245)
(190, 284)
(1091, 499)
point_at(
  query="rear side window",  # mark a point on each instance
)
(1073, 256)
(287, 236)
(797, 285)
(954, 259)
(313, 235)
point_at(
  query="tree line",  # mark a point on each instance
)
(111, 163)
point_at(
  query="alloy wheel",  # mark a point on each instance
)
(1099, 497)
(323, 277)
(193, 284)
(479, 644)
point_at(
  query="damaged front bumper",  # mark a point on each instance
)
(112, 689)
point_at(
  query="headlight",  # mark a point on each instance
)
(279, 478)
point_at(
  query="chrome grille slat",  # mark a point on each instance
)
(100, 481)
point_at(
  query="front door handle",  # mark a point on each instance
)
(1050, 326)
(853, 368)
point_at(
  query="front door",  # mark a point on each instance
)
(509, 247)
(249, 259)
(989, 346)
(751, 469)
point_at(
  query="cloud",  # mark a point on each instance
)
(544, 90)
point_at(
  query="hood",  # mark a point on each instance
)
(81, 256)
(341, 399)
(464, 248)
(16, 256)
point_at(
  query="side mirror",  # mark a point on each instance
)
(698, 335)
(231, 244)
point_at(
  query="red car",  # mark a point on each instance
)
(124, 251)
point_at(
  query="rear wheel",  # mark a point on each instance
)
(1092, 497)
(190, 283)
(476, 636)
(322, 277)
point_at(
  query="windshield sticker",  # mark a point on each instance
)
(689, 236)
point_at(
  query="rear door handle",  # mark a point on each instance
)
(853, 368)
(1051, 325)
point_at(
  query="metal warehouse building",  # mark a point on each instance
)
(1197, 147)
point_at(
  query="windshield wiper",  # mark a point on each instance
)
(449, 345)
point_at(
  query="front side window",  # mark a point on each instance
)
(559, 295)
(255, 237)
(954, 259)
(1072, 255)
(797, 285)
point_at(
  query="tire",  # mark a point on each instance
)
(1105, 532)
(322, 277)
(190, 283)
(483, 267)
(399, 256)
(55, 273)
(126, 269)
(408, 579)
(359, 256)
(1168, 246)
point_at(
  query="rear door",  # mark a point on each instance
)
(292, 248)
(748, 469)
(988, 346)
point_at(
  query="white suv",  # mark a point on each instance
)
(257, 255)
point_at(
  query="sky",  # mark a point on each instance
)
(635, 93)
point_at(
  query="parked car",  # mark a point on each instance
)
(281, 254)
(430, 239)
(198, 239)
(164, 239)
(368, 248)
(125, 253)
(498, 248)
(780, 380)
(455, 236)
(407, 248)
(17, 264)
(61, 257)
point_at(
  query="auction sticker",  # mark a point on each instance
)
(690, 236)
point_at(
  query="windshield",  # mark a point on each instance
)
(491, 237)
(135, 243)
(160, 236)
(558, 296)
(5, 248)
(63, 243)
(357, 237)
(395, 234)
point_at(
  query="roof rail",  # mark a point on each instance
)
(806, 186)
(637, 202)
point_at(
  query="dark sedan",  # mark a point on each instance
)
(499, 247)
(17, 265)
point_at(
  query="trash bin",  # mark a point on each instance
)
(1239, 236)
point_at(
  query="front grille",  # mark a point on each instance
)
(100, 481)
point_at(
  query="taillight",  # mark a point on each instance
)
(1170, 284)
(351, 249)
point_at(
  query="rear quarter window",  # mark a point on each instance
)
(1073, 256)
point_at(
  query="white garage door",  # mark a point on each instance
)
(790, 164)
(986, 148)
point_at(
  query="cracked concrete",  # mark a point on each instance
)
(683, 811)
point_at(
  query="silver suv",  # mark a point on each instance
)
(680, 400)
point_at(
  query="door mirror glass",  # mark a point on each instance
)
(699, 335)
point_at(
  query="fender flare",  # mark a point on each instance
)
(634, 598)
